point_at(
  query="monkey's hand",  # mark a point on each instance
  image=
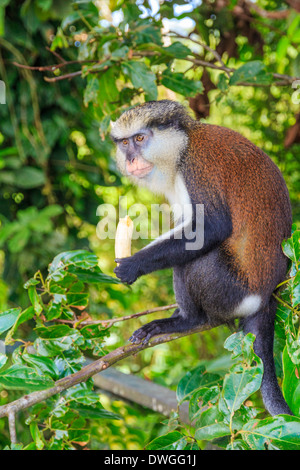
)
(128, 269)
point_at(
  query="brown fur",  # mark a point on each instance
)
(223, 163)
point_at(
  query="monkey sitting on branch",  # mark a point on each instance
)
(234, 269)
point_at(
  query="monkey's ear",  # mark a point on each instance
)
(112, 124)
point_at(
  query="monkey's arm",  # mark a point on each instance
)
(168, 250)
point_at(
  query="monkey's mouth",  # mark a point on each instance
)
(141, 172)
(138, 167)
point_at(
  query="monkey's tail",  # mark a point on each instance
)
(261, 324)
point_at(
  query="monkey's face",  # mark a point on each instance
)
(149, 157)
(130, 154)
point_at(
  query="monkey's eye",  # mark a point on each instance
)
(139, 138)
(125, 141)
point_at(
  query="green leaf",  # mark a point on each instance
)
(36, 436)
(294, 289)
(171, 441)
(282, 47)
(3, 360)
(31, 282)
(291, 382)
(42, 365)
(35, 300)
(205, 396)
(93, 275)
(280, 432)
(177, 49)
(19, 377)
(22, 318)
(81, 259)
(82, 264)
(291, 247)
(180, 84)
(8, 318)
(141, 77)
(29, 177)
(108, 95)
(240, 384)
(94, 411)
(292, 339)
(91, 90)
(56, 339)
(195, 380)
(54, 309)
(19, 240)
(211, 425)
(251, 72)
(244, 377)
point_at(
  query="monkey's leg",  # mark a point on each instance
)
(262, 325)
(177, 323)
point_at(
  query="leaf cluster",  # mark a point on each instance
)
(57, 349)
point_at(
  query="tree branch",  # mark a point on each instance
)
(12, 425)
(110, 322)
(282, 79)
(88, 371)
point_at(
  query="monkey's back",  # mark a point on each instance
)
(236, 175)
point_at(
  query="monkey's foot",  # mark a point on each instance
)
(174, 324)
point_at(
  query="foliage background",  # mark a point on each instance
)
(56, 159)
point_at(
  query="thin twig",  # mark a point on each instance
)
(52, 67)
(283, 79)
(56, 54)
(63, 77)
(110, 322)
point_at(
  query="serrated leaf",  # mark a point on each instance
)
(194, 380)
(42, 365)
(78, 258)
(292, 339)
(35, 300)
(93, 411)
(22, 318)
(29, 177)
(36, 435)
(251, 72)
(3, 360)
(291, 247)
(141, 77)
(91, 90)
(291, 382)
(19, 377)
(8, 318)
(56, 339)
(108, 95)
(211, 425)
(178, 50)
(279, 432)
(172, 441)
(180, 84)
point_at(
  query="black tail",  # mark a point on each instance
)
(262, 325)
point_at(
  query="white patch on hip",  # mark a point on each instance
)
(248, 306)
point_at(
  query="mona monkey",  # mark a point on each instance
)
(247, 214)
